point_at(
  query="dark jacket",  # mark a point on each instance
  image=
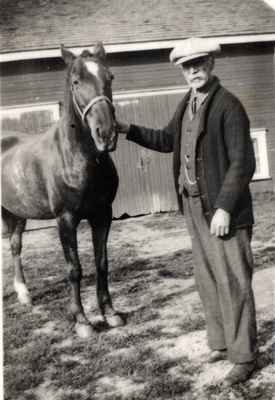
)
(225, 161)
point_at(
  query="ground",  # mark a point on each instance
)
(161, 352)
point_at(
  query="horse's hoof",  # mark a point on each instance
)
(83, 331)
(23, 293)
(114, 321)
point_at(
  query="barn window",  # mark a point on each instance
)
(260, 148)
(31, 118)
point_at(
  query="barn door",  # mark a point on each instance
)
(146, 179)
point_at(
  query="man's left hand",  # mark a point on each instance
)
(220, 223)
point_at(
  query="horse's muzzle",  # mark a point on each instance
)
(107, 144)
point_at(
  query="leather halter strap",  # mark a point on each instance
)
(90, 105)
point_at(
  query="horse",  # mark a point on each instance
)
(67, 174)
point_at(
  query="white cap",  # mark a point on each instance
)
(192, 48)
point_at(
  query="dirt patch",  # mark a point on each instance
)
(161, 353)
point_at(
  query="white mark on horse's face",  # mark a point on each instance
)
(92, 67)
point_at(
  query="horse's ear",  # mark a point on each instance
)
(99, 51)
(67, 55)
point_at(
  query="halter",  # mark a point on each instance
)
(90, 105)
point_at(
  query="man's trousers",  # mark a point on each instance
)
(223, 273)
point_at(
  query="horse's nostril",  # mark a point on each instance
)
(104, 134)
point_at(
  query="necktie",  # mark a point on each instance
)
(194, 105)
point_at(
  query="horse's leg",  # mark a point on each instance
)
(15, 227)
(100, 230)
(67, 225)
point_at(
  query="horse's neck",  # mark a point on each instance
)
(76, 138)
(77, 152)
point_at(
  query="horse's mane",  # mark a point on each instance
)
(87, 54)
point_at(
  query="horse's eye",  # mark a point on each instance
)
(75, 82)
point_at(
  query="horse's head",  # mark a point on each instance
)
(90, 82)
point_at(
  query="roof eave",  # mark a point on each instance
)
(129, 47)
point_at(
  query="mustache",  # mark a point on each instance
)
(196, 75)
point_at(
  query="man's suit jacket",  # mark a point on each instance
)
(225, 160)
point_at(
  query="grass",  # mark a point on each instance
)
(160, 353)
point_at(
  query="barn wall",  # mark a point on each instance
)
(248, 71)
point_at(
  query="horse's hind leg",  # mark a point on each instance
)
(16, 227)
(100, 230)
(67, 225)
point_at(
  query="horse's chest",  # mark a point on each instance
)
(101, 186)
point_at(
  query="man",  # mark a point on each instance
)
(213, 165)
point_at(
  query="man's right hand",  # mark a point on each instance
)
(220, 223)
(121, 127)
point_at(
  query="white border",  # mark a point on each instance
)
(128, 47)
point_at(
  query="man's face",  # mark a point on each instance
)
(197, 72)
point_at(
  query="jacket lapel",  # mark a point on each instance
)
(182, 107)
(216, 85)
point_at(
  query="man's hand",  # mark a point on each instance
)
(121, 127)
(220, 223)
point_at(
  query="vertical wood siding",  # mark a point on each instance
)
(146, 178)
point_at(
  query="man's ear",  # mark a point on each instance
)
(99, 51)
(211, 60)
(67, 55)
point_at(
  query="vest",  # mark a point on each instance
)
(189, 134)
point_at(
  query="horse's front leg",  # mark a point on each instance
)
(67, 225)
(100, 231)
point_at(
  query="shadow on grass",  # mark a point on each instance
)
(264, 258)
(173, 265)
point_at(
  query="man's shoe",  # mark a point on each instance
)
(239, 373)
(217, 355)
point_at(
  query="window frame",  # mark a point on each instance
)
(16, 111)
(262, 170)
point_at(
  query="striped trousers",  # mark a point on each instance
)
(223, 273)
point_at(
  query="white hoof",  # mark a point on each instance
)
(23, 293)
(83, 331)
(114, 321)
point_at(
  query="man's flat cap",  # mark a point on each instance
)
(192, 48)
